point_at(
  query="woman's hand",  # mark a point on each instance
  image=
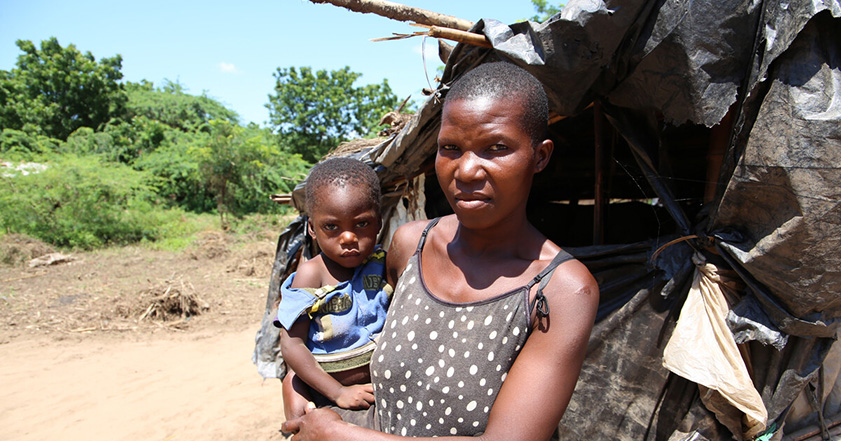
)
(357, 396)
(313, 426)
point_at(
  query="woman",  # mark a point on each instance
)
(490, 320)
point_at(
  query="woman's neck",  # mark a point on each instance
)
(507, 238)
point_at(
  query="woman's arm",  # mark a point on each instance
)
(539, 385)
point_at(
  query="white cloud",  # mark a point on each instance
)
(228, 67)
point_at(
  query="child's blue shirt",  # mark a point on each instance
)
(345, 318)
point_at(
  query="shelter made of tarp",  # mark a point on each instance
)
(697, 174)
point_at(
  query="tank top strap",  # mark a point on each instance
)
(543, 278)
(426, 229)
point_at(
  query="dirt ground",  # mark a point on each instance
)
(133, 343)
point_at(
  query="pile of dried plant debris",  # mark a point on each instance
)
(170, 300)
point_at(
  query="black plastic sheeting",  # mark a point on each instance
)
(776, 218)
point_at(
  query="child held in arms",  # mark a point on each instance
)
(334, 306)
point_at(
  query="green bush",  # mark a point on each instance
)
(22, 145)
(82, 202)
(175, 168)
(120, 141)
(242, 167)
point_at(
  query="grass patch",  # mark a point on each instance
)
(178, 230)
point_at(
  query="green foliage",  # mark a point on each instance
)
(55, 90)
(544, 10)
(82, 202)
(16, 144)
(241, 167)
(314, 112)
(171, 106)
(176, 169)
(139, 163)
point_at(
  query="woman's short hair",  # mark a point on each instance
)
(502, 80)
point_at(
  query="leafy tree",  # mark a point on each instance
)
(241, 168)
(175, 166)
(55, 90)
(313, 112)
(172, 106)
(544, 10)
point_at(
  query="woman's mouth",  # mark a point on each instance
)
(471, 201)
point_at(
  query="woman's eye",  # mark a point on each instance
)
(448, 147)
(498, 147)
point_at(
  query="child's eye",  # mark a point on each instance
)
(362, 224)
(329, 227)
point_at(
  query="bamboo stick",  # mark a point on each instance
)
(460, 36)
(396, 11)
(446, 33)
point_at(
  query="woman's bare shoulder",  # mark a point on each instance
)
(408, 233)
(572, 283)
(403, 244)
(569, 278)
(407, 236)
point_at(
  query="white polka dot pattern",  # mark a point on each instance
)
(455, 355)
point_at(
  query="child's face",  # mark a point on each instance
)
(486, 161)
(345, 224)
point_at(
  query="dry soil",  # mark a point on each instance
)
(137, 344)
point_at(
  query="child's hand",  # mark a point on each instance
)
(358, 396)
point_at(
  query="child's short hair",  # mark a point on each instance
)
(509, 81)
(342, 172)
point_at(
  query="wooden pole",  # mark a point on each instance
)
(396, 11)
(445, 33)
(599, 185)
(719, 138)
(457, 35)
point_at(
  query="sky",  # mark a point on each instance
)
(229, 50)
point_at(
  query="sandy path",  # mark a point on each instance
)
(165, 386)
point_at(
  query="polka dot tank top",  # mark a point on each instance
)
(438, 366)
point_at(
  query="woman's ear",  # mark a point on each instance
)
(542, 153)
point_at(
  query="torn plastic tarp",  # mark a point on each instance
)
(702, 348)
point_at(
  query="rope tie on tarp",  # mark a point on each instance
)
(672, 242)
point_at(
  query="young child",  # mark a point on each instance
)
(334, 306)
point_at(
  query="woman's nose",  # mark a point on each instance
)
(469, 167)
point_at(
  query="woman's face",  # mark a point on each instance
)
(486, 161)
(345, 224)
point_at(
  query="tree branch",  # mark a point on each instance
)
(396, 11)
